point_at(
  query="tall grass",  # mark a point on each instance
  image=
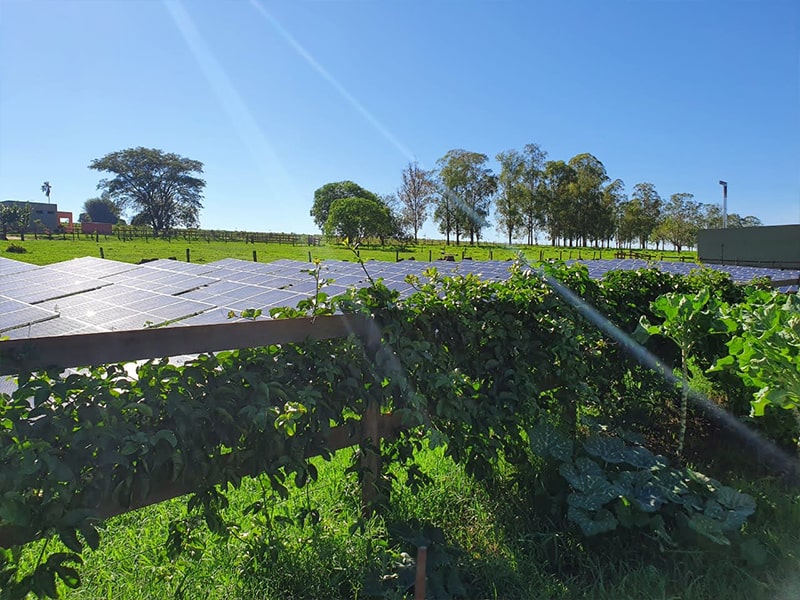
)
(495, 542)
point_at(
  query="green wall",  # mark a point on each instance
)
(771, 246)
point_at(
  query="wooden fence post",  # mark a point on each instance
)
(370, 435)
(419, 582)
(370, 458)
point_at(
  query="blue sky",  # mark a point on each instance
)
(279, 98)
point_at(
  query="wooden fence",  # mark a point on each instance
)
(105, 348)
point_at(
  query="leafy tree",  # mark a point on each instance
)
(328, 193)
(160, 186)
(682, 218)
(510, 202)
(14, 216)
(751, 221)
(100, 210)
(465, 175)
(521, 204)
(587, 195)
(8, 218)
(557, 197)
(613, 198)
(415, 195)
(640, 215)
(358, 219)
(445, 213)
(712, 218)
(47, 188)
(24, 213)
(399, 227)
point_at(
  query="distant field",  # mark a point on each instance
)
(44, 252)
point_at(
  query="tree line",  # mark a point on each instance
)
(571, 203)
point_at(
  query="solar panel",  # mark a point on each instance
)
(90, 294)
(175, 266)
(51, 327)
(45, 283)
(89, 266)
(267, 300)
(162, 281)
(8, 266)
(15, 314)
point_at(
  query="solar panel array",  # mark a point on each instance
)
(92, 295)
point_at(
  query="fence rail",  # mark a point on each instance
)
(103, 348)
(119, 346)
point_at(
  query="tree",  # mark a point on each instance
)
(47, 188)
(587, 195)
(415, 195)
(100, 210)
(328, 193)
(751, 221)
(509, 203)
(445, 212)
(521, 203)
(712, 218)
(161, 187)
(465, 175)
(8, 219)
(14, 216)
(557, 198)
(24, 213)
(641, 214)
(682, 217)
(358, 219)
(613, 197)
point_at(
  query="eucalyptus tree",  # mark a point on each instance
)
(510, 194)
(587, 195)
(613, 198)
(642, 213)
(712, 218)
(416, 193)
(681, 219)
(444, 212)
(557, 198)
(522, 201)
(472, 185)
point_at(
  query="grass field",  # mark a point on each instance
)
(494, 546)
(44, 251)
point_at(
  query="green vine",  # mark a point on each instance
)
(480, 365)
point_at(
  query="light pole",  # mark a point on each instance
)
(724, 185)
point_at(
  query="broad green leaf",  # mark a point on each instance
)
(735, 500)
(547, 441)
(601, 521)
(708, 528)
(608, 449)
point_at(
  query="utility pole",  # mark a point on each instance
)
(724, 185)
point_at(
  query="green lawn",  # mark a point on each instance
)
(44, 251)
